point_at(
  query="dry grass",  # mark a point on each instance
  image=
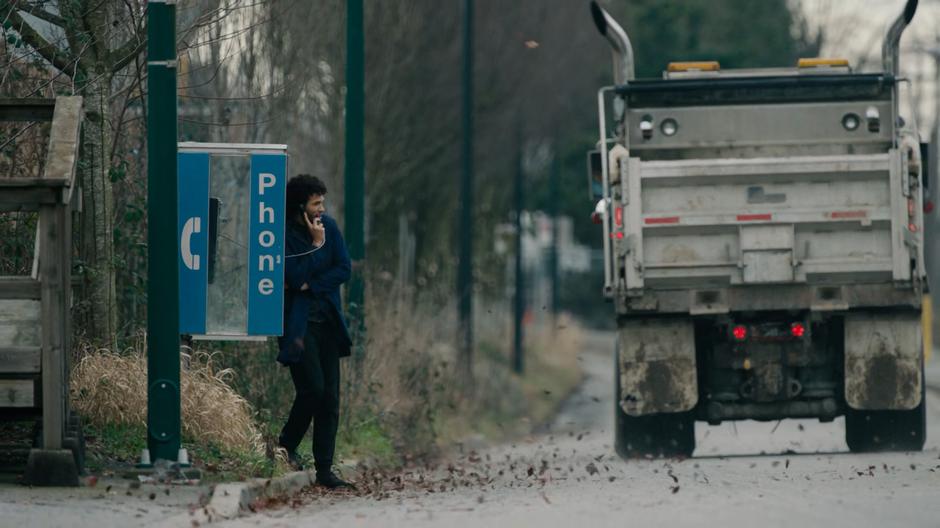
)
(109, 388)
(406, 374)
(505, 405)
(402, 398)
(553, 353)
(408, 378)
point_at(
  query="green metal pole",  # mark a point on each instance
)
(163, 345)
(518, 352)
(355, 168)
(553, 211)
(465, 237)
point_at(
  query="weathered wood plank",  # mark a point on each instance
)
(26, 109)
(65, 249)
(19, 323)
(19, 310)
(53, 182)
(62, 156)
(18, 207)
(19, 288)
(19, 334)
(52, 288)
(20, 360)
(34, 271)
(27, 198)
(17, 393)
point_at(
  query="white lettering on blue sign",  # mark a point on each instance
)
(266, 269)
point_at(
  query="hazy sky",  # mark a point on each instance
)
(855, 29)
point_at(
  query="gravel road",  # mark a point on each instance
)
(795, 473)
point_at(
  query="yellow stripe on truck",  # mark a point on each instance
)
(675, 67)
(823, 63)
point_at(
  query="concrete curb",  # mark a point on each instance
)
(229, 500)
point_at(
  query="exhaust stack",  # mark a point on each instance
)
(890, 50)
(619, 42)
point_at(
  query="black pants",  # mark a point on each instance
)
(316, 380)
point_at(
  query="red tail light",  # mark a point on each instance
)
(597, 218)
(618, 217)
(797, 330)
(739, 332)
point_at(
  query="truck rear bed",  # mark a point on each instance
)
(813, 219)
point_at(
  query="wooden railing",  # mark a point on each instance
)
(35, 327)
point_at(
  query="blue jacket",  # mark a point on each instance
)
(323, 270)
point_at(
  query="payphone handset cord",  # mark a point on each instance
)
(305, 252)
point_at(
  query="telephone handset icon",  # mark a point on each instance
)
(193, 225)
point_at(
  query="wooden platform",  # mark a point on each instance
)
(35, 327)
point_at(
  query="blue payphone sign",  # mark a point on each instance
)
(266, 252)
(231, 233)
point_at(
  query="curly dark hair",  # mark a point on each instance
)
(300, 188)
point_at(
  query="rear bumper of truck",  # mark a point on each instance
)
(825, 409)
(869, 341)
(726, 299)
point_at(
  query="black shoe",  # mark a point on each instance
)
(293, 459)
(330, 480)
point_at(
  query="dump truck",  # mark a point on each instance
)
(763, 247)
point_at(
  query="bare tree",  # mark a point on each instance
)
(88, 42)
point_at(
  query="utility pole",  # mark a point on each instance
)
(163, 339)
(465, 237)
(518, 338)
(355, 169)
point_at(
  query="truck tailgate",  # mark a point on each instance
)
(691, 223)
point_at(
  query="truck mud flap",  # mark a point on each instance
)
(657, 366)
(883, 355)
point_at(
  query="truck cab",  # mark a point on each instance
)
(763, 244)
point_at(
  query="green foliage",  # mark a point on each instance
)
(118, 172)
(17, 241)
(366, 440)
(225, 465)
(134, 213)
(119, 445)
(737, 33)
(114, 444)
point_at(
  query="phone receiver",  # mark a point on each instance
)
(193, 225)
(215, 206)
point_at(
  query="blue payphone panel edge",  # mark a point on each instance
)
(193, 236)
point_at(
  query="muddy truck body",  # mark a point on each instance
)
(763, 248)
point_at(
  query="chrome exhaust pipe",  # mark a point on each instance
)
(619, 42)
(891, 48)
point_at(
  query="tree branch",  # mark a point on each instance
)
(40, 13)
(128, 51)
(36, 41)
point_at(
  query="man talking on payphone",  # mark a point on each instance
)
(315, 335)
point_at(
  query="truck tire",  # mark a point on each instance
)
(666, 435)
(870, 431)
